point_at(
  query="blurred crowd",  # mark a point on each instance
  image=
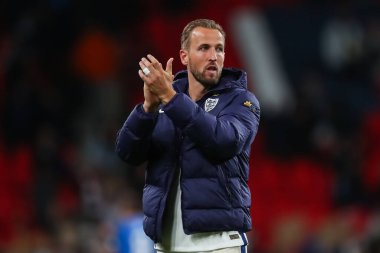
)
(68, 79)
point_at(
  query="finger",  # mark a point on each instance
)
(156, 64)
(143, 76)
(153, 68)
(169, 66)
(142, 65)
(146, 62)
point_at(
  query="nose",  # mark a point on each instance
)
(213, 54)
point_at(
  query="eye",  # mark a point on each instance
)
(203, 47)
(220, 49)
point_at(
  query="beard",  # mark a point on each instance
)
(201, 76)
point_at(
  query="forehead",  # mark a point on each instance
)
(201, 35)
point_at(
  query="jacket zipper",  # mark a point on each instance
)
(209, 94)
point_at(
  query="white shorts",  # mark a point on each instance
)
(240, 249)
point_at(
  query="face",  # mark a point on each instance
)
(205, 56)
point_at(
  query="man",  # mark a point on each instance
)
(195, 132)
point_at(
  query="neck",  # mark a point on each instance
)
(196, 89)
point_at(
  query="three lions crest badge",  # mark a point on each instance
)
(211, 103)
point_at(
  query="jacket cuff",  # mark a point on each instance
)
(140, 122)
(180, 109)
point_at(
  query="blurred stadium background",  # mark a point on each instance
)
(68, 79)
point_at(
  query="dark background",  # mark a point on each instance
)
(68, 79)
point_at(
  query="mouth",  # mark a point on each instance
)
(212, 69)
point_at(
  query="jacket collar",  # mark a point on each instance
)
(231, 78)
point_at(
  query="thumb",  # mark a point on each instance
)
(169, 66)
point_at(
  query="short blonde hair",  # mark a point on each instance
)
(205, 23)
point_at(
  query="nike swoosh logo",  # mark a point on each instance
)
(160, 111)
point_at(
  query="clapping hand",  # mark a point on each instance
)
(157, 82)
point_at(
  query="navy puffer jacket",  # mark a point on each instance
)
(210, 141)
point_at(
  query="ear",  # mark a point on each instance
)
(183, 55)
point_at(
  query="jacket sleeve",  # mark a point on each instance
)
(219, 137)
(134, 138)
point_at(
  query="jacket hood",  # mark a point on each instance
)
(231, 78)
